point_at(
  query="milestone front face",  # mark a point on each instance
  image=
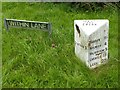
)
(91, 41)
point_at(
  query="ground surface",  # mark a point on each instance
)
(30, 60)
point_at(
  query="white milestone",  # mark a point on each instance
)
(91, 41)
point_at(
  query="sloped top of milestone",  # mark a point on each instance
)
(90, 26)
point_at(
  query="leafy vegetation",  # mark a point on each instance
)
(94, 6)
(31, 59)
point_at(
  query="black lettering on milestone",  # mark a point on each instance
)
(105, 43)
(78, 30)
(89, 44)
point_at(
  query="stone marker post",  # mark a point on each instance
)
(91, 41)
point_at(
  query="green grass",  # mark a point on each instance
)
(0, 46)
(29, 60)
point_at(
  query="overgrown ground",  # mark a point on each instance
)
(29, 60)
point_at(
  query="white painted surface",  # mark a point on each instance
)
(91, 41)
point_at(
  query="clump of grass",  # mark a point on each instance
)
(93, 6)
